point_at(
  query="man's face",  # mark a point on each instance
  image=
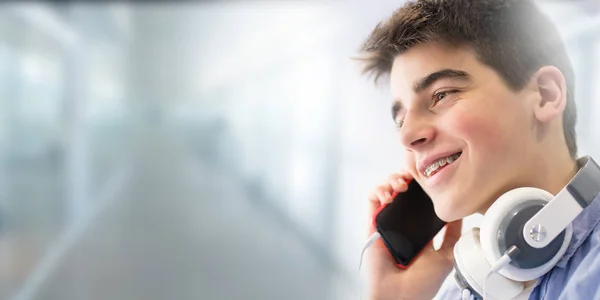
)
(447, 103)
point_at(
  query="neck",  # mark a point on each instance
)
(554, 175)
(549, 172)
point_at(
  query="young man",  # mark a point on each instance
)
(491, 80)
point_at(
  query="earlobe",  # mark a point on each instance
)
(552, 88)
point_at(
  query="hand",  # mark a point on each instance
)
(425, 275)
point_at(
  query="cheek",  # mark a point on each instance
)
(410, 163)
(480, 129)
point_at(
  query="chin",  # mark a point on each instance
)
(448, 211)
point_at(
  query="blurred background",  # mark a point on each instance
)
(203, 150)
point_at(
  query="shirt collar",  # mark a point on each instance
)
(583, 225)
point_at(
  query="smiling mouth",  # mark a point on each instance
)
(440, 164)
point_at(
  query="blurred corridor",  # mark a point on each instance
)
(180, 230)
(215, 151)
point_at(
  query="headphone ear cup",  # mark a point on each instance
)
(504, 221)
(472, 267)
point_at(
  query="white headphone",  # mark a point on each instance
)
(522, 237)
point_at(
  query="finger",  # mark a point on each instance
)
(381, 195)
(374, 205)
(385, 194)
(399, 185)
(374, 202)
(376, 199)
(402, 176)
(395, 182)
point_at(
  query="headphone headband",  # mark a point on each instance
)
(585, 186)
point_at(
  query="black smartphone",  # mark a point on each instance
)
(408, 224)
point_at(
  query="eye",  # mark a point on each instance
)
(399, 123)
(439, 96)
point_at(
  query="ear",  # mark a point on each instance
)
(551, 86)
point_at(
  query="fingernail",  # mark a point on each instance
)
(401, 182)
(387, 195)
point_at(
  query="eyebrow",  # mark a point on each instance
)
(427, 81)
(396, 107)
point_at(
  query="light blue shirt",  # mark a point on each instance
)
(577, 274)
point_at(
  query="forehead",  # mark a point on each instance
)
(424, 59)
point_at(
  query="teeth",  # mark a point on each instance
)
(440, 163)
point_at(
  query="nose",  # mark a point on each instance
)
(416, 131)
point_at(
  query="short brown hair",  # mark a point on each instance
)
(511, 36)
